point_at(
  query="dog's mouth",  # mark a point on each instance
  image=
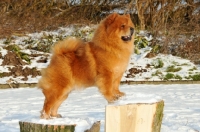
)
(129, 37)
(126, 38)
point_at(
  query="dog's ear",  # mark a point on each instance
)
(110, 19)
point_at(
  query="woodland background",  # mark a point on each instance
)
(174, 24)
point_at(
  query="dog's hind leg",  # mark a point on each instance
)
(42, 112)
(49, 102)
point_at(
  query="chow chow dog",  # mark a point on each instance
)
(77, 64)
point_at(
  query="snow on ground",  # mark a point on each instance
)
(181, 111)
(140, 62)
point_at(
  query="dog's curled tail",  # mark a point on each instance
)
(68, 45)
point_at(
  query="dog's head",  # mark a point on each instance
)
(120, 27)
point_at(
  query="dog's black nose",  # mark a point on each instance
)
(132, 30)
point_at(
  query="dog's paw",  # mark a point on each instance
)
(59, 116)
(119, 94)
(111, 99)
(115, 97)
(56, 116)
(44, 116)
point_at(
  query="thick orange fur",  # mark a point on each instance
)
(77, 64)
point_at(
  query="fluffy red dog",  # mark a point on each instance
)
(78, 64)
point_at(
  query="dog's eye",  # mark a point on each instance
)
(122, 26)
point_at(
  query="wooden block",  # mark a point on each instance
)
(134, 117)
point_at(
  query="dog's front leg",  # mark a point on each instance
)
(106, 87)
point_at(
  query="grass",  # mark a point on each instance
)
(157, 73)
(184, 64)
(8, 40)
(175, 63)
(45, 42)
(85, 33)
(24, 56)
(15, 48)
(193, 69)
(178, 77)
(156, 49)
(195, 77)
(140, 42)
(170, 76)
(172, 68)
(158, 63)
(1, 75)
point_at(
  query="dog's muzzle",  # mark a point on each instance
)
(129, 37)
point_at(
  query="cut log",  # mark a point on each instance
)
(34, 127)
(134, 117)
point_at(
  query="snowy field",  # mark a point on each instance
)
(181, 111)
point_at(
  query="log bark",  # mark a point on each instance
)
(33, 127)
(134, 117)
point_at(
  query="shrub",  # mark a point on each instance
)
(169, 76)
(195, 77)
(140, 42)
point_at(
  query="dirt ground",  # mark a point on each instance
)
(18, 67)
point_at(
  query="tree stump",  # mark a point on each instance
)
(134, 117)
(34, 127)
